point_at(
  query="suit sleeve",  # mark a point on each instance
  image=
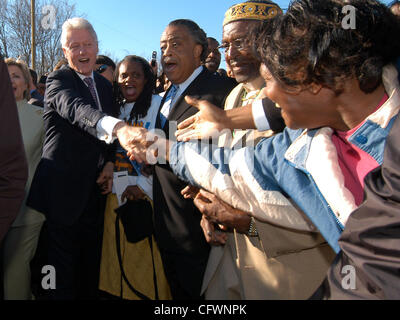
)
(62, 97)
(13, 165)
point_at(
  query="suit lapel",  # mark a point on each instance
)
(101, 92)
(180, 105)
(83, 89)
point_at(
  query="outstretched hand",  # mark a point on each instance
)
(135, 140)
(207, 123)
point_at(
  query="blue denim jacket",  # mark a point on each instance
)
(297, 168)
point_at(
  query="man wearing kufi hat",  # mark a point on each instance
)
(250, 257)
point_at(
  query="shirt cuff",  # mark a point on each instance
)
(259, 116)
(105, 128)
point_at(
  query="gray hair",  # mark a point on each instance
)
(76, 23)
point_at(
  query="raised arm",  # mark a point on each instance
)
(242, 178)
(210, 120)
(62, 96)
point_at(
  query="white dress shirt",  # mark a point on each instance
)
(259, 116)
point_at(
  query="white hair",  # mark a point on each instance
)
(76, 23)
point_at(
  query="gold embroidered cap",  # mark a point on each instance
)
(252, 10)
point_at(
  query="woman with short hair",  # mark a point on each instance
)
(338, 91)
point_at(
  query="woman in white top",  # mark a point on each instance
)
(136, 105)
(21, 240)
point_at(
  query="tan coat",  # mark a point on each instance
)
(31, 120)
(279, 264)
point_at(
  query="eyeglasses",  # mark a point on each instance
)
(102, 68)
(238, 44)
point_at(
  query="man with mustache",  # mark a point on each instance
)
(177, 221)
(214, 56)
(245, 262)
(214, 60)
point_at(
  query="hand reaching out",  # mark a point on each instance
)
(135, 140)
(190, 192)
(142, 145)
(207, 123)
(155, 149)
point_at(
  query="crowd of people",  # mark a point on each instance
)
(274, 179)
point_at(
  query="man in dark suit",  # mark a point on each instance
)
(213, 59)
(177, 221)
(66, 186)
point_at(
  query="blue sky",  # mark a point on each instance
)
(135, 26)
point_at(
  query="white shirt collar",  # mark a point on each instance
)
(183, 86)
(94, 82)
(83, 77)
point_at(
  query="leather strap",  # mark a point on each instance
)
(118, 243)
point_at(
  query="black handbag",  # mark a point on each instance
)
(137, 220)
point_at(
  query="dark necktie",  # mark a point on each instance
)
(90, 83)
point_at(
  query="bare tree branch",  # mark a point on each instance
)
(15, 30)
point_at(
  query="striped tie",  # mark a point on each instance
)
(168, 104)
(90, 83)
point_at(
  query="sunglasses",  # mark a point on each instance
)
(102, 68)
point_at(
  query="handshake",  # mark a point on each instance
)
(151, 147)
(142, 145)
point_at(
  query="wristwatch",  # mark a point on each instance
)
(252, 228)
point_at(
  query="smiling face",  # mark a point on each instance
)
(307, 108)
(131, 80)
(180, 53)
(81, 51)
(238, 53)
(18, 82)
